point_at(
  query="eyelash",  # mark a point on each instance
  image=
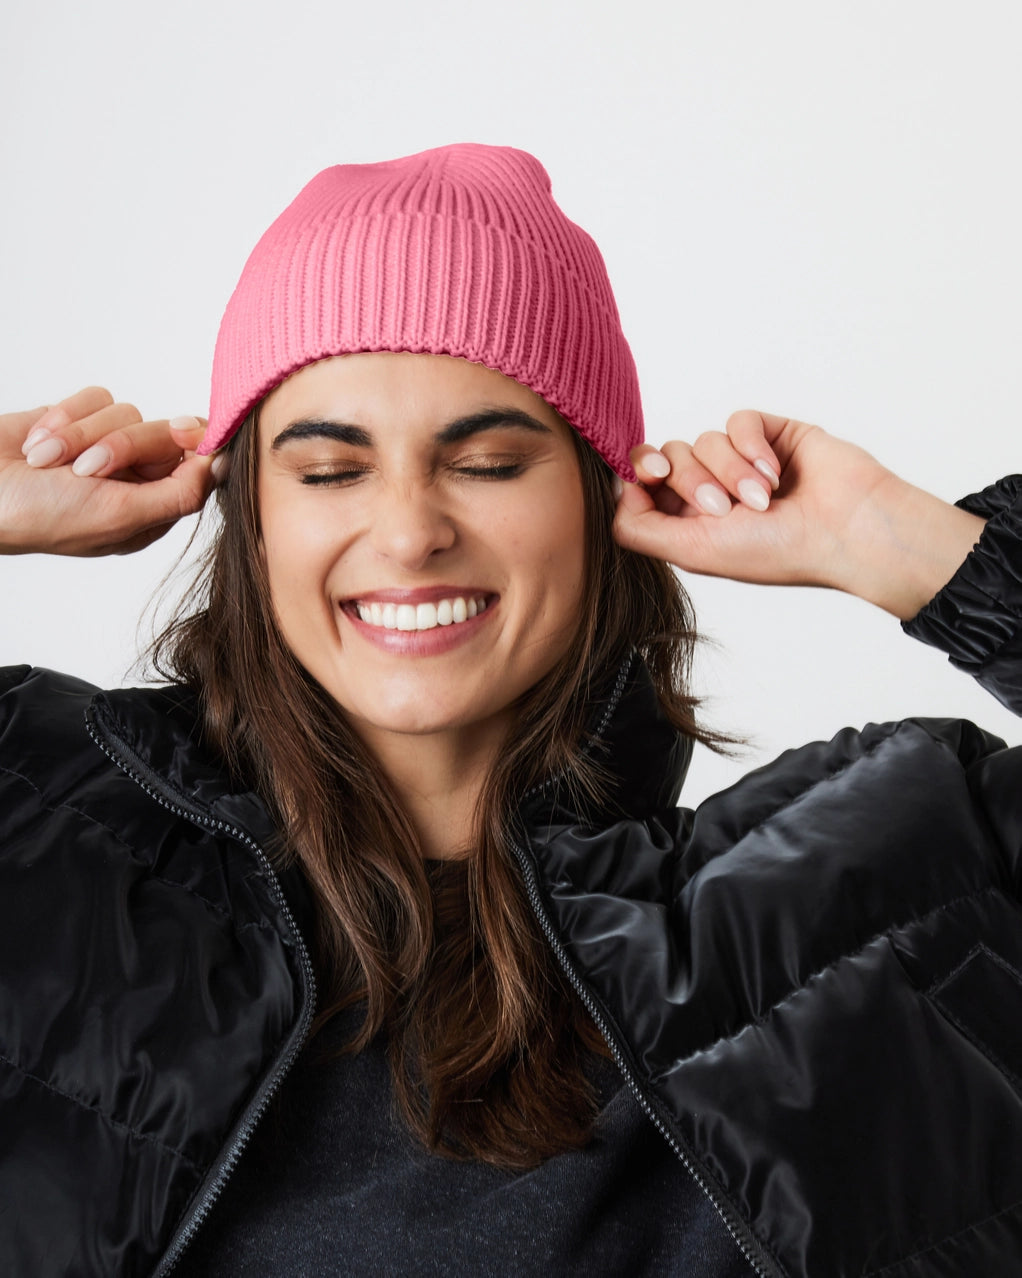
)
(507, 470)
(337, 478)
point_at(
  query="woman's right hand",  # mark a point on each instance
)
(95, 479)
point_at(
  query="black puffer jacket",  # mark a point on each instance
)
(813, 983)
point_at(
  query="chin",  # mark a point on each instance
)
(413, 720)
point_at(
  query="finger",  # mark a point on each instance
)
(185, 433)
(19, 425)
(651, 466)
(639, 526)
(188, 431)
(741, 479)
(693, 482)
(751, 433)
(64, 443)
(58, 416)
(143, 450)
(141, 508)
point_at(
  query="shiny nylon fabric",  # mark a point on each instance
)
(976, 617)
(148, 984)
(780, 981)
(816, 977)
(813, 980)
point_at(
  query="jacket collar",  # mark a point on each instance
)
(645, 758)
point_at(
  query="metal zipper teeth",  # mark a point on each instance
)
(230, 1158)
(738, 1231)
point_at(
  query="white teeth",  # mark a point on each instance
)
(424, 616)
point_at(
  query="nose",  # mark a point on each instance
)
(410, 525)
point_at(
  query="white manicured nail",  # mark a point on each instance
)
(656, 464)
(768, 472)
(33, 437)
(184, 423)
(53, 419)
(218, 469)
(713, 500)
(93, 459)
(45, 453)
(619, 487)
(753, 494)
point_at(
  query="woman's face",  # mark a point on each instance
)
(423, 526)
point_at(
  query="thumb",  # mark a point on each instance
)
(640, 526)
(631, 526)
(187, 432)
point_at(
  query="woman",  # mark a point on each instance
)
(425, 729)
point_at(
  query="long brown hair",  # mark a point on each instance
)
(488, 1043)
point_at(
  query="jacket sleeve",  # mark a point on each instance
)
(977, 617)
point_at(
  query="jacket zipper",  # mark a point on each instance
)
(738, 1230)
(742, 1235)
(228, 1159)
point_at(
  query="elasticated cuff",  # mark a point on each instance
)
(977, 617)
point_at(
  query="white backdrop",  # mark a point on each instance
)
(808, 207)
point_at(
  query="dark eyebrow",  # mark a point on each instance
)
(489, 419)
(461, 428)
(312, 428)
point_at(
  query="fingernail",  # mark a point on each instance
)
(33, 437)
(766, 470)
(185, 423)
(93, 459)
(53, 419)
(656, 464)
(45, 453)
(619, 486)
(218, 469)
(713, 500)
(753, 494)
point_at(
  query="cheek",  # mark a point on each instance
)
(295, 569)
(553, 554)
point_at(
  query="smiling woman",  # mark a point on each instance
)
(399, 832)
(421, 507)
(394, 480)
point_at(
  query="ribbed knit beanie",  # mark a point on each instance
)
(459, 250)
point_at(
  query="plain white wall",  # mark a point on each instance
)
(810, 208)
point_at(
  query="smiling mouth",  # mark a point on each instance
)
(424, 616)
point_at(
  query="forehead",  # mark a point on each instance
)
(373, 388)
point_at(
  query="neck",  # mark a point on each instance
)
(439, 778)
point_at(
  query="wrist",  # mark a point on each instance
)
(904, 546)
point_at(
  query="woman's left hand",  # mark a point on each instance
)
(781, 502)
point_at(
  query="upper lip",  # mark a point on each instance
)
(422, 594)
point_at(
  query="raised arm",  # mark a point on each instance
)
(88, 476)
(780, 502)
(820, 511)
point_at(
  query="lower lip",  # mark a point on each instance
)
(421, 643)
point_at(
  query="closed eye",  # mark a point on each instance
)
(337, 478)
(506, 470)
(314, 477)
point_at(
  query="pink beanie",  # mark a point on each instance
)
(459, 250)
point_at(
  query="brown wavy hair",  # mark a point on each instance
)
(488, 1043)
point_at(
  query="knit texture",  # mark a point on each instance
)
(460, 250)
